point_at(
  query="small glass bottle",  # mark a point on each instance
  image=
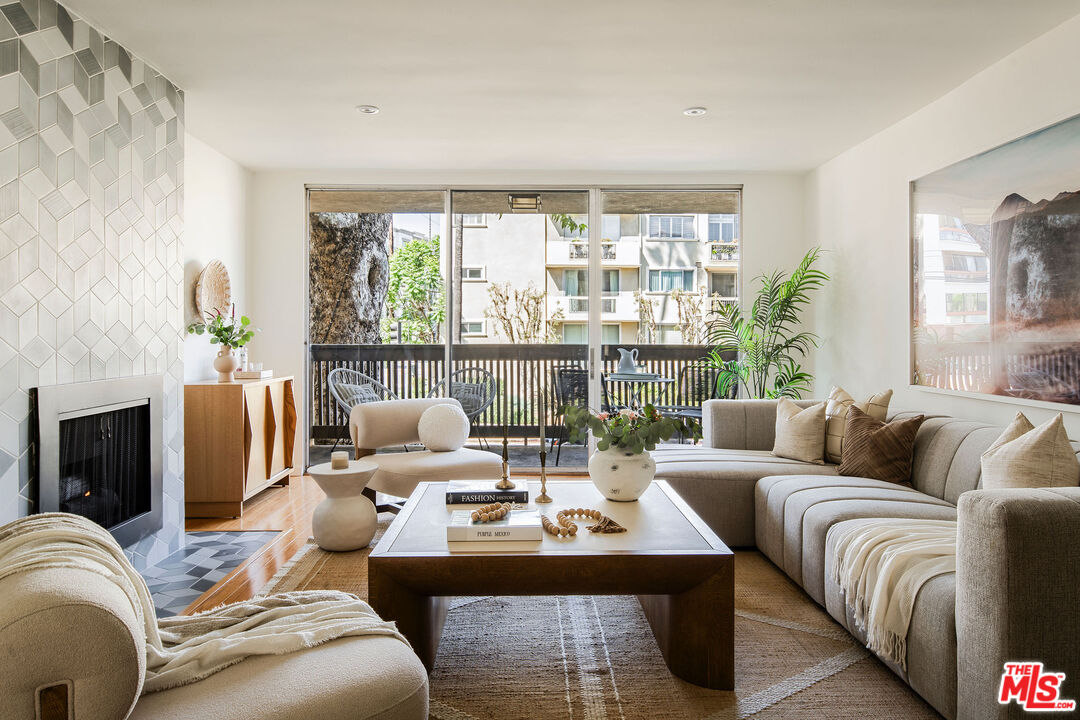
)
(243, 357)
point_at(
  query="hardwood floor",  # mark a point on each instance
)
(287, 509)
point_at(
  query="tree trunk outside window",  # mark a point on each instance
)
(349, 273)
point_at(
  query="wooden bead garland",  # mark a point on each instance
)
(566, 527)
(490, 513)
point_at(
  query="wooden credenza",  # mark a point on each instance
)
(238, 441)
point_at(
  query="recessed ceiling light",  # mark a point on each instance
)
(694, 111)
(367, 109)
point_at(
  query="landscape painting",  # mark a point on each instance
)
(996, 270)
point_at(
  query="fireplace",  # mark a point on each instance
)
(98, 453)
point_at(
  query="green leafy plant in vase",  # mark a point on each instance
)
(230, 333)
(622, 467)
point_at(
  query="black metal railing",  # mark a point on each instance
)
(522, 373)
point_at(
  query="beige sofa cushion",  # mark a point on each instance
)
(875, 405)
(719, 484)
(400, 472)
(800, 433)
(1025, 456)
(353, 678)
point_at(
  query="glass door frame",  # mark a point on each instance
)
(595, 214)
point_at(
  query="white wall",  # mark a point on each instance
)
(216, 226)
(857, 207)
(772, 234)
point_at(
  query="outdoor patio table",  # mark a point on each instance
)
(636, 384)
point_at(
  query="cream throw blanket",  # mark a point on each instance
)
(182, 650)
(880, 565)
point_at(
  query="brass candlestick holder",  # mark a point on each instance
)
(505, 483)
(543, 497)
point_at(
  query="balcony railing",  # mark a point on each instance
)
(1039, 371)
(521, 371)
(580, 304)
(579, 250)
(723, 252)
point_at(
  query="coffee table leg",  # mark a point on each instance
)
(696, 630)
(420, 618)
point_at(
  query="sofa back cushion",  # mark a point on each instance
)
(947, 455)
(742, 424)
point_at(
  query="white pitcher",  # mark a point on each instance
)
(627, 360)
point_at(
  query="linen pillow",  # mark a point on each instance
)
(1025, 456)
(443, 428)
(875, 405)
(800, 434)
(879, 450)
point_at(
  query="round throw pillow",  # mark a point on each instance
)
(443, 428)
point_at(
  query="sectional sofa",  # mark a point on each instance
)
(1016, 592)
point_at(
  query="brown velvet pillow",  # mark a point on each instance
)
(879, 450)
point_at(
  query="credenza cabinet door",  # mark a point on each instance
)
(238, 441)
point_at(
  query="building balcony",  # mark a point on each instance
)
(575, 253)
(614, 307)
(722, 254)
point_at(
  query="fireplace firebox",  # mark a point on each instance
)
(98, 453)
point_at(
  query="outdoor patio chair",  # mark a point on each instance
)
(696, 384)
(473, 387)
(571, 385)
(352, 387)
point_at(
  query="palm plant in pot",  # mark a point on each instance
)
(622, 468)
(229, 333)
(767, 342)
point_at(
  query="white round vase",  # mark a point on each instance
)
(226, 364)
(620, 474)
(345, 520)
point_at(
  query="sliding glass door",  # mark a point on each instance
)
(519, 309)
(517, 302)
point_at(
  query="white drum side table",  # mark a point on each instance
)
(346, 519)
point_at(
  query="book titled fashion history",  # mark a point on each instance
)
(462, 492)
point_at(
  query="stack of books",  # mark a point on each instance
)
(518, 525)
(484, 492)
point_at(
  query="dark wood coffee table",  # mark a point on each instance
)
(681, 572)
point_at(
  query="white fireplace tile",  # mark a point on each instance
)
(16, 404)
(67, 310)
(9, 443)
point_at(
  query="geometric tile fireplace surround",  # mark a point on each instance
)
(91, 249)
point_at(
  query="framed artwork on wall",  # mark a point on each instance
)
(995, 279)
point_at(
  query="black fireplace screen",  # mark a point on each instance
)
(105, 465)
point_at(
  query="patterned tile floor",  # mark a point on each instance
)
(206, 557)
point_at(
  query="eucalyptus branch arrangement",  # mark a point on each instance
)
(226, 331)
(768, 340)
(633, 430)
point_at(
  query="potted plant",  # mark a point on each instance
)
(230, 334)
(622, 468)
(768, 342)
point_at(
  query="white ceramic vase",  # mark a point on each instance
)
(226, 363)
(620, 474)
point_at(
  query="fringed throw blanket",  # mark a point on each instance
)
(182, 650)
(880, 565)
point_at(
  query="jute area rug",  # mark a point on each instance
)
(594, 658)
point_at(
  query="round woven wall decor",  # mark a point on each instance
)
(212, 289)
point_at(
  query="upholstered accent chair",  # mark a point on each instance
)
(71, 646)
(391, 423)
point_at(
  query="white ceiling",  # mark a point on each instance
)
(561, 84)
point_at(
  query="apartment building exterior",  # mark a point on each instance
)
(653, 254)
